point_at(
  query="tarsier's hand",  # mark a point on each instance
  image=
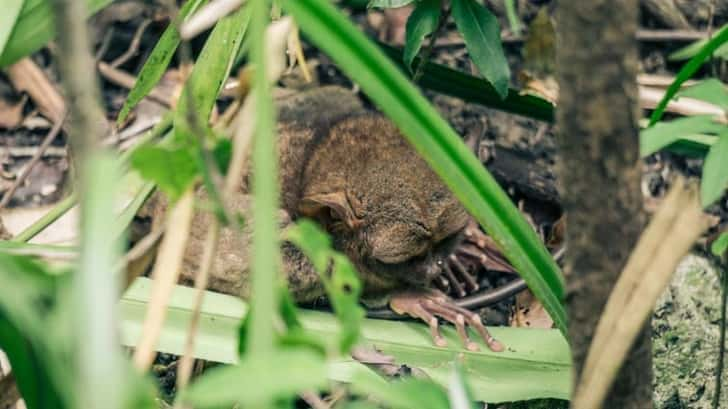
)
(429, 305)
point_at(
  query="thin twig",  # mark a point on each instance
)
(126, 80)
(28, 77)
(33, 161)
(134, 46)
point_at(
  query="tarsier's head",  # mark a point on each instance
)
(384, 206)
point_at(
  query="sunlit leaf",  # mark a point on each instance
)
(34, 28)
(711, 90)
(337, 274)
(438, 144)
(171, 169)
(715, 172)
(690, 131)
(536, 363)
(158, 60)
(11, 11)
(422, 22)
(257, 379)
(720, 245)
(481, 32)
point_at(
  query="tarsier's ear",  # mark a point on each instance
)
(329, 208)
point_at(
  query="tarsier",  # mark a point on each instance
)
(353, 172)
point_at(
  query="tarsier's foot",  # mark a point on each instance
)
(428, 306)
(460, 269)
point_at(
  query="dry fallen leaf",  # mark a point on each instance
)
(529, 312)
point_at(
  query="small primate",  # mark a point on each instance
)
(352, 171)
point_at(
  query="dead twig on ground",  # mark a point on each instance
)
(26, 76)
(667, 13)
(133, 46)
(29, 167)
(126, 80)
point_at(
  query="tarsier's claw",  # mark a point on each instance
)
(427, 306)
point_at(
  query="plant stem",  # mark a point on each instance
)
(427, 52)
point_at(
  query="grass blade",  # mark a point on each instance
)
(536, 364)
(436, 141)
(448, 81)
(688, 70)
(34, 28)
(158, 60)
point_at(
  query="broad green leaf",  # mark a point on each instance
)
(11, 11)
(720, 245)
(458, 84)
(258, 380)
(688, 70)
(715, 172)
(711, 90)
(481, 32)
(388, 4)
(337, 274)
(438, 143)
(171, 169)
(688, 130)
(158, 60)
(535, 364)
(422, 22)
(34, 28)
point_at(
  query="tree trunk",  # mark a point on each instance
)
(599, 173)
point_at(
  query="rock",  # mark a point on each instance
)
(685, 336)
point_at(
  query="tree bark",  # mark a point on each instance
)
(599, 173)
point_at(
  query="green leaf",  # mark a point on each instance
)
(688, 70)
(342, 284)
(422, 22)
(407, 393)
(513, 20)
(158, 60)
(691, 49)
(210, 71)
(458, 84)
(11, 11)
(711, 90)
(34, 28)
(688, 130)
(258, 380)
(388, 4)
(535, 364)
(481, 32)
(720, 245)
(715, 172)
(172, 169)
(438, 143)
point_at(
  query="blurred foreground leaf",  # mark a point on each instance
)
(690, 135)
(715, 172)
(536, 363)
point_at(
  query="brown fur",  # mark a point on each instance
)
(354, 173)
